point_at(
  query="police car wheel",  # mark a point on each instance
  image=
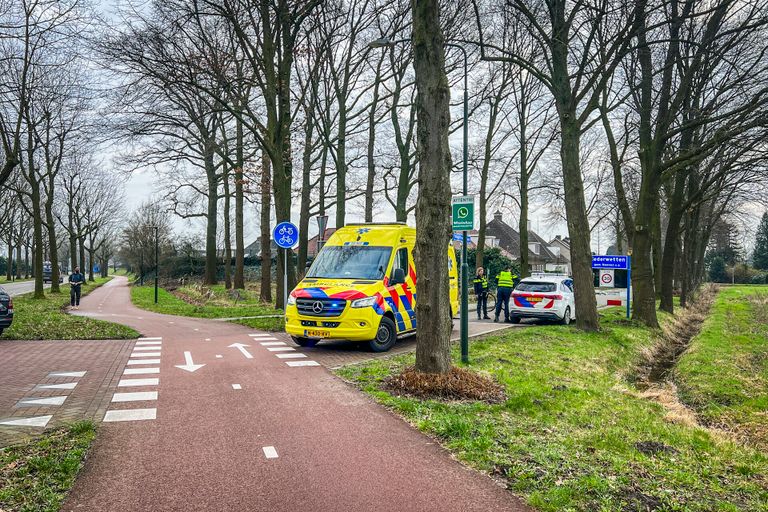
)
(566, 316)
(514, 319)
(304, 342)
(386, 336)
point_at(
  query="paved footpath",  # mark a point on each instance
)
(259, 427)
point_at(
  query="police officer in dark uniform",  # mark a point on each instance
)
(481, 291)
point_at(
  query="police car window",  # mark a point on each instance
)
(401, 261)
(534, 286)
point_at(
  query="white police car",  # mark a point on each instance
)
(545, 296)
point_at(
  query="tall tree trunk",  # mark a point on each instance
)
(341, 166)
(72, 238)
(9, 269)
(306, 194)
(239, 281)
(671, 238)
(18, 261)
(211, 258)
(81, 245)
(37, 228)
(227, 232)
(265, 294)
(370, 154)
(433, 206)
(54, 253)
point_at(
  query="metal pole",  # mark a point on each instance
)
(157, 260)
(285, 281)
(629, 281)
(464, 265)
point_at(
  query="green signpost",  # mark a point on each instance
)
(463, 208)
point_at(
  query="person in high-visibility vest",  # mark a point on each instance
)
(481, 291)
(505, 282)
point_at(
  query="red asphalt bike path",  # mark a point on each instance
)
(337, 449)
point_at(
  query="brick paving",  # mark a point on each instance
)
(24, 365)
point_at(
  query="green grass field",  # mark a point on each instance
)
(46, 319)
(208, 302)
(574, 432)
(724, 373)
(36, 476)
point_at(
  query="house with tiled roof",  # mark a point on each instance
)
(540, 257)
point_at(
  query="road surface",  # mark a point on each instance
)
(21, 287)
(213, 416)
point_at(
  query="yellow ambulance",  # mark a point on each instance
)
(361, 287)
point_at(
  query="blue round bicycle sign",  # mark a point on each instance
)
(285, 235)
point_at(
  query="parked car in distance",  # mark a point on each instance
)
(544, 296)
(6, 310)
(48, 271)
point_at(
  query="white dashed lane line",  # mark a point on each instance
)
(141, 371)
(130, 415)
(146, 351)
(292, 355)
(302, 363)
(272, 343)
(270, 452)
(280, 349)
(55, 375)
(68, 385)
(145, 354)
(135, 397)
(128, 383)
(36, 421)
(237, 386)
(40, 402)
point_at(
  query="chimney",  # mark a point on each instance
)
(497, 215)
(557, 237)
(529, 224)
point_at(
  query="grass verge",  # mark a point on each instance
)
(209, 302)
(723, 375)
(574, 433)
(46, 319)
(36, 476)
(190, 301)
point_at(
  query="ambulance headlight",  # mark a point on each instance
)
(291, 300)
(364, 303)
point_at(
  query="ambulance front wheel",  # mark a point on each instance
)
(304, 342)
(386, 336)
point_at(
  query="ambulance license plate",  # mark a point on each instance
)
(313, 333)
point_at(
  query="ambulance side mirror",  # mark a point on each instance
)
(398, 277)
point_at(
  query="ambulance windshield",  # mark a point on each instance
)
(350, 262)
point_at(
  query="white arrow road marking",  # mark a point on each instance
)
(66, 374)
(68, 385)
(270, 452)
(36, 421)
(241, 348)
(189, 365)
(51, 400)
